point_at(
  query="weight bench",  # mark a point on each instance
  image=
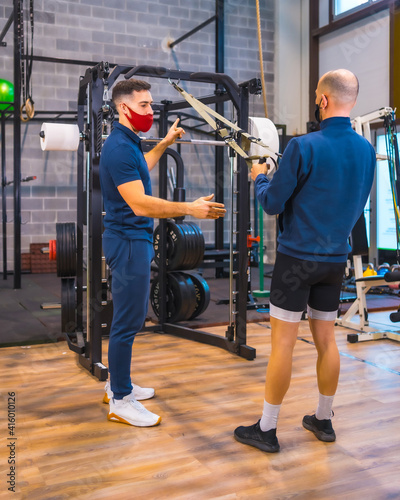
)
(359, 306)
(358, 240)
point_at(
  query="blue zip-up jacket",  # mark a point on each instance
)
(320, 189)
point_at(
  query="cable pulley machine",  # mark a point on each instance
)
(95, 120)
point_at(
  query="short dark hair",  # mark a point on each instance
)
(127, 87)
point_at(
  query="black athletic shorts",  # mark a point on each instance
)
(298, 285)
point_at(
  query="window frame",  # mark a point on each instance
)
(347, 19)
(367, 3)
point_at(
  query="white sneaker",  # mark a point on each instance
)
(129, 411)
(139, 393)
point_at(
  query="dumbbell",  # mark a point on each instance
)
(370, 271)
(383, 269)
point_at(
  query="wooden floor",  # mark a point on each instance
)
(66, 448)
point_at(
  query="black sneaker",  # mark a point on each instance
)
(254, 436)
(321, 428)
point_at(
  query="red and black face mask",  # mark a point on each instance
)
(142, 123)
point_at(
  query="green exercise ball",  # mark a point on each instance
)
(6, 93)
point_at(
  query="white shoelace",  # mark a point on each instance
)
(137, 405)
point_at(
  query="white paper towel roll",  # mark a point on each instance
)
(264, 129)
(59, 137)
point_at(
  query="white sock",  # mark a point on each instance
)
(269, 417)
(324, 410)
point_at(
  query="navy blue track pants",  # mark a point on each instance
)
(129, 261)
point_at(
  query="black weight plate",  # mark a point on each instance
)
(172, 301)
(60, 250)
(193, 247)
(194, 253)
(66, 249)
(202, 291)
(184, 297)
(200, 245)
(177, 246)
(173, 243)
(68, 305)
(180, 299)
(186, 253)
(155, 297)
(190, 294)
(197, 246)
(156, 245)
(185, 246)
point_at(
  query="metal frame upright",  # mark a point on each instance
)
(219, 108)
(17, 144)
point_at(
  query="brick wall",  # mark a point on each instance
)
(125, 32)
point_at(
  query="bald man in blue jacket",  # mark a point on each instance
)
(320, 190)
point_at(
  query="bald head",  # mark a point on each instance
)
(341, 85)
(336, 93)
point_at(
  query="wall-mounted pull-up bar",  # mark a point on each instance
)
(5, 29)
(192, 32)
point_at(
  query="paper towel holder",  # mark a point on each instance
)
(82, 136)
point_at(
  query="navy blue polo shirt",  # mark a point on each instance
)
(122, 161)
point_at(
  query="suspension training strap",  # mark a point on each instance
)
(205, 112)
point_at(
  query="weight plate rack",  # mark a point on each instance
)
(185, 251)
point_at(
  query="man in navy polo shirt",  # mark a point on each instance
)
(320, 190)
(128, 238)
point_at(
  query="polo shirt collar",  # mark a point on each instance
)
(128, 132)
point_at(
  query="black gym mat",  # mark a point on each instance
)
(21, 317)
(23, 321)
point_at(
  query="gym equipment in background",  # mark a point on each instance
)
(364, 283)
(6, 94)
(359, 241)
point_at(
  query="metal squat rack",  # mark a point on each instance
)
(94, 112)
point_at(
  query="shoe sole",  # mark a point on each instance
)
(106, 399)
(261, 446)
(321, 435)
(115, 418)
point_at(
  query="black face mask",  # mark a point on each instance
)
(317, 112)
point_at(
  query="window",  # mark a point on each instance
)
(344, 6)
